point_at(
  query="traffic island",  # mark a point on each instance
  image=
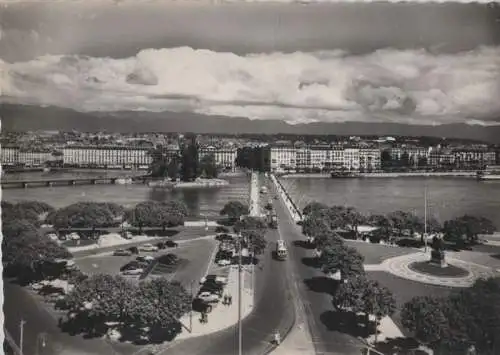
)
(428, 268)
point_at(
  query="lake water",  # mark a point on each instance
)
(199, 201)
(447, 197)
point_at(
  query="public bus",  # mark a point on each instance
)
(281, 251)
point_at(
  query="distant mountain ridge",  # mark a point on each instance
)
(31, 118)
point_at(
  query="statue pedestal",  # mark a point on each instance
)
(437, 258)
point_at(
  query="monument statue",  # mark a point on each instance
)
(437, 252)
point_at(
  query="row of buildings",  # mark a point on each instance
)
(367, 159)
(281, 157)
(104, 156)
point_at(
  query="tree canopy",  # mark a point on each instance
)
(234, 210)
(32, 211)
(208, 167)
(23, 247)
(86, 215)
(157, 214)
(452, 324)
(466, 229)
(156, 304)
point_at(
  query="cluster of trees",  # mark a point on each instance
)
(354, 292)
(454, 324)
(106, 215)
(405, 161)
(32, 211)
(25, 250)
(187, 165)
(157, 214)
(152, 308)
(252, 229)
(397, 225)
(86, 215)
(254, 158)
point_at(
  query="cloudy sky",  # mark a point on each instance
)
(408, 63)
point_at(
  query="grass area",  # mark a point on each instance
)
(74, 243)
(377, 253)
(425, 267)
(404, 290)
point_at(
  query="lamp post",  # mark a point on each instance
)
(240, 330)
(21, 335)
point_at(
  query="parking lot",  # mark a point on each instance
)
(193, 257)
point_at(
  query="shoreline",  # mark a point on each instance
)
(458, 174)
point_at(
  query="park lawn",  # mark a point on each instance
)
(104, 264)
(404, 290)
(377, 253)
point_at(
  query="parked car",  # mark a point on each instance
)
(212, 287)
(148, 247)
(127, 235)
(171, 244)
(145, 258)
(122, 252)
(224, 237)
(214, 278)
(221, 229)
(208, 297)
(160, 245)
(133, 272)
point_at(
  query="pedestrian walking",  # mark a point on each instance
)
(230, 299)
(224, 302)
(277, 338)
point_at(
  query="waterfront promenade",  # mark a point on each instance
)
(463, 174)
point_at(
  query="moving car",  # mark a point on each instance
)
(148, 247)
(122, 252)
(208, 297)
(168, 259)
(224, 262)
(134, 264)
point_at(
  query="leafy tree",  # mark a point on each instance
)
(425, 317)
(84, 215)
(422, 162)
(313, 207)
(466, 229)
(173, 168)
(189, 160)
(378, 301)
(23, 248)
(313, 226)
(208, 167)
(386, 159)
(253, 158)
(159, 162)
(340, 257)
(162, 303)
(350, 295)
(256, 240)
(157, 214)
(250, 224)
(234, 210)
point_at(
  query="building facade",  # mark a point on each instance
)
(106, 157)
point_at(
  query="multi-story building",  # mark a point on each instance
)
(369, 159)
(337, 157)
(441, 158)
(33, 158)
(320, 157)
(106, 156)
(10, 155)
(224, 157)
(473, 158)
(283, 158)
(351, 159)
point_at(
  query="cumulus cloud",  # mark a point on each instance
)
(412, 86)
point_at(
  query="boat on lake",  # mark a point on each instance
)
(491, 172)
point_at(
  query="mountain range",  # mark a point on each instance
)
(17, 117)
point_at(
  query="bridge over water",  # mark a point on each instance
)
(52, 182)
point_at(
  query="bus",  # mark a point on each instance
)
(281, 251)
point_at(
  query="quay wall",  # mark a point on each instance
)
(465, 174)
(292, 208)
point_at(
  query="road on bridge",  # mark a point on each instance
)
(317, 305)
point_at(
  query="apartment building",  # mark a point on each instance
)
(106, 156)
(351, 159)
(473, 158)
(10, 155)
(224, 157)
(283, 158)
(20, 156)
(369, 159)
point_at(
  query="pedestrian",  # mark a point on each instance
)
(230, 299)
(277, 337)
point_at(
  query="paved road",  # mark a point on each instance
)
(18, 303)
(273, 310)
(316, 304)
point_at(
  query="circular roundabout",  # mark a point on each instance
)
(416, 267)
